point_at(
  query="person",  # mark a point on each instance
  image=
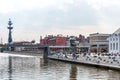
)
(65, 53)
(74, 56)
(58, 54)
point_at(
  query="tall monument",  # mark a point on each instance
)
(10, 32)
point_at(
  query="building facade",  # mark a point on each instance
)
(114, 42)
(99, 42)
(24, 46)
(58, 40)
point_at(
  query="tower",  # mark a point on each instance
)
(10, 32)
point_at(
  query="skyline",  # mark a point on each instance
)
(66, 17)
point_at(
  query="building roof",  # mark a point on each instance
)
(99, 34)
(117, 31)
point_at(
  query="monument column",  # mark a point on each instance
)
(10, 34)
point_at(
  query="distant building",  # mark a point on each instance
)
(24, 46)
(83, 41)
(67, 41)
(81, 38)
(114, 42)
(53, 40)
(99, 42)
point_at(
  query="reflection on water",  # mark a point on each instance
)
(73, 72)
(10, 67)
(19, 67)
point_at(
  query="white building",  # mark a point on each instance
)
(114, 42)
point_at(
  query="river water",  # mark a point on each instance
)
(27, 67)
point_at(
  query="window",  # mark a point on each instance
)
(116, 46)
(113, 39)
(111, 46)
(110, 39)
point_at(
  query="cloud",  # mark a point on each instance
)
(112, 14)
(7, 6)
(75, 15)
(66, 16)
(108, 14)
(60, 16)
(42, 17)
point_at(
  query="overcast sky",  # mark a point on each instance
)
(32, 18)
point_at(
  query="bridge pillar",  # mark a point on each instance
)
(46, 52)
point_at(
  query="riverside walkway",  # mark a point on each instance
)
(101, 60)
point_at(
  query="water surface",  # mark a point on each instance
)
(28, 67)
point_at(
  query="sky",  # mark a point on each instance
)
(34, 18)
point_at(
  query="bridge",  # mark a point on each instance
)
(45, 48)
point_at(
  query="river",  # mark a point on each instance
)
(28, 67)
